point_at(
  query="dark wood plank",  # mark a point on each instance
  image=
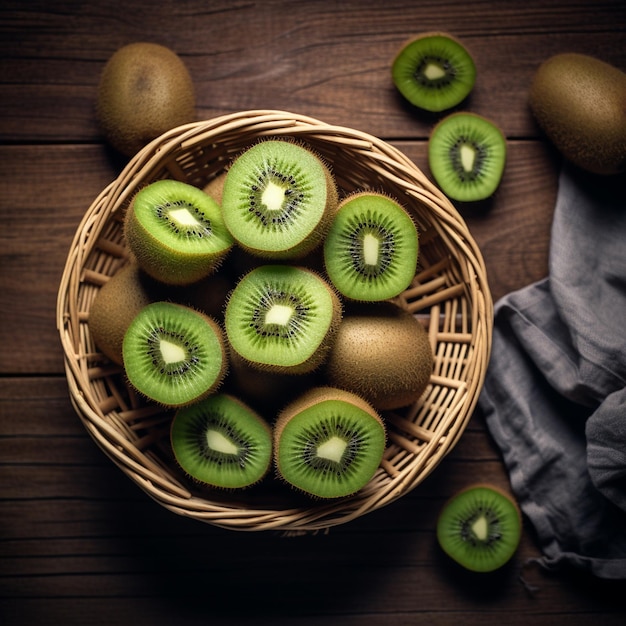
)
(328, 60)
(74, 527)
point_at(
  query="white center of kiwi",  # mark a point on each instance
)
(433, 71)
(332, 449)
(480, 527)
(468, 157)
(273, 196)
(171, 352)
(216, 441)
(371, 248)
(279, 314)
(183, 217)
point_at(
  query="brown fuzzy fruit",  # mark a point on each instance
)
(580, 103)
(145, 90)
(382, 353)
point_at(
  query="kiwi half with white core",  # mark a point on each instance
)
(480, 528)
(466, 156)
(173, 354)
(277, 199)
(434, 72)
(282, 317)
(371, 250)
(220, 441)
(176, 232)
(328, 443)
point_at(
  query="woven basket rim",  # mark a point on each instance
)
(455, 288)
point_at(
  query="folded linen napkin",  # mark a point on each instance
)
(554, 397)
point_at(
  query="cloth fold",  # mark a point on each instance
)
(554, 397)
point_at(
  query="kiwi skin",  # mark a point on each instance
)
(145, 90)
(580, 103)
(114, 307)
(383, 353)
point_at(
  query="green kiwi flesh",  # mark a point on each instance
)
(222, 442)
(282, 317)
(382, 353)
(467, 155)
(277, 199)
(328, 443)
(434, 72)
(176, 232)
(173, 354)
(480, 528)
(371, 250)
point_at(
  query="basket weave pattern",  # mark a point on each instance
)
(449, 295)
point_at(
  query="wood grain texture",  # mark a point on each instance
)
(81, 544)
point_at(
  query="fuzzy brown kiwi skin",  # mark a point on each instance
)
(382, 353)
(115, 306)
(145, 89)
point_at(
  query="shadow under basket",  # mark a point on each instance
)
(449, 295)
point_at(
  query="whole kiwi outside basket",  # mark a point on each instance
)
(449, 294)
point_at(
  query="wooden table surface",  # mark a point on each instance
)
(80, 543)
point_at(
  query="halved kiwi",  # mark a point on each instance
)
(480, 528)
(173, 354)
(371, 250)
(282, 317)
(328, 443)
(222, 442)
(467, 155)
(382, 353)
(176, 232)
(434, 71)
(277, 199)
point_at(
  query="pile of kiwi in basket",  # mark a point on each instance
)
(259, 310)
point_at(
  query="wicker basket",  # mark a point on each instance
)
(449, 295)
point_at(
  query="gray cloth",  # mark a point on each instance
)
(555, 392)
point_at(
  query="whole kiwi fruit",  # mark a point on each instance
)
(383, 353)
(580, 103)
(145, 90)
(114, 307)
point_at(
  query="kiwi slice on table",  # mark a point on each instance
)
(467, 155)
(434, 72)
(278, 198)
(176, 232)
(174, 354)
(282, 317)
(480, 528)
(220, 441)
(328, 443)
(382, 353)
(371, 250)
